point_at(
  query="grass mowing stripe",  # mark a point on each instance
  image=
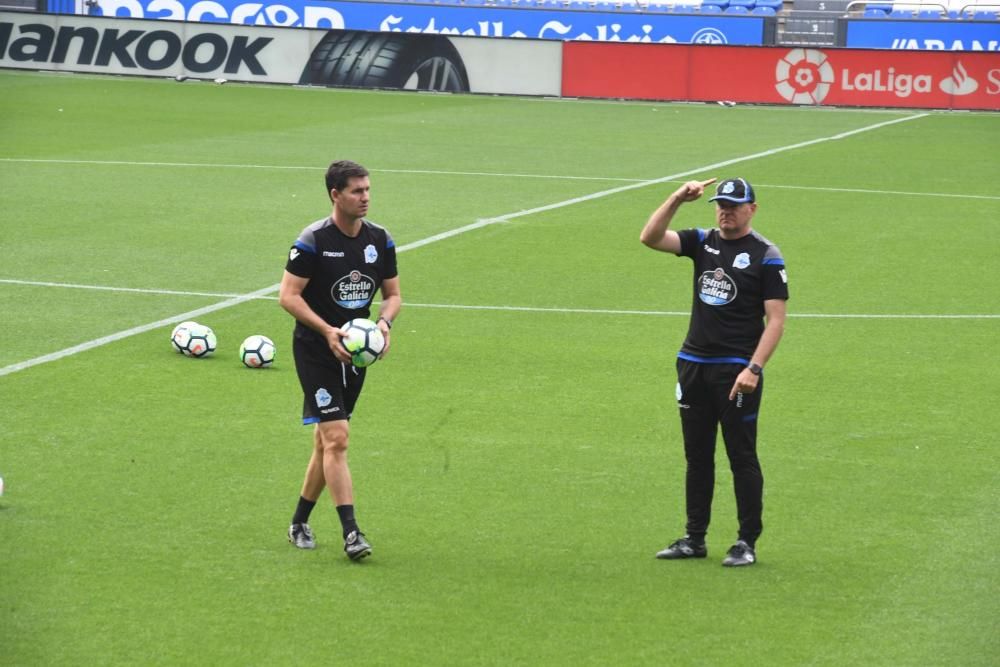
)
(436, 172)
(524, 309)
(104, 340)
(143, 328)
(488, 174)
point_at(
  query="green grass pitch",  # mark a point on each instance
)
(517, 457)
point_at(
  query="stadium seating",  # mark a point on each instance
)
(710, 9)
(763, 11)
(721, 4)
(933, 10)
(736, 9)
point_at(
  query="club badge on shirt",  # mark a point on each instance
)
(371, 254)
(742, 261)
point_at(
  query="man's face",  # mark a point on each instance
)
(733, 219)
(353, 199)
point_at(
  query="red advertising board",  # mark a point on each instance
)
(782, 75)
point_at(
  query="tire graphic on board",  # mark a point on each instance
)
(386, 60)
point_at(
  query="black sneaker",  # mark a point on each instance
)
(355, 545)
(684, 548)
(740, 554)
(301, 535)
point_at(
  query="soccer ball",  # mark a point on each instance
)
(364, 340)
(176, 334)
(195, 341)
(257, 351)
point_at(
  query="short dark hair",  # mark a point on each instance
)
(340, 172)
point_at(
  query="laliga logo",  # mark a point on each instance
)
(959, 83)
(803, 76)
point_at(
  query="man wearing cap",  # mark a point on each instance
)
(737, 318)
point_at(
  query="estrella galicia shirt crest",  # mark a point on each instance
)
(344, 273)
(732, 280)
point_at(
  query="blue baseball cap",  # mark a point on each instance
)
(735, 190)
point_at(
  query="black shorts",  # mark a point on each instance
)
(330, 388)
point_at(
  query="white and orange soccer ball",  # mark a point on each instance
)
(257, 351)
(193, 340)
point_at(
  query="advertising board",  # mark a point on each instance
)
(920, 35)
(776, 75)
(441, 19)
(279, 55)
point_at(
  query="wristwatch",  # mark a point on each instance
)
(755, 369)
(387, 321)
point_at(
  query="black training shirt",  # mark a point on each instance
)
(344, 273)
(732, 279)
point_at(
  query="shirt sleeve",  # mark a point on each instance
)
(691, 239)
(302, 257)
(774, 276)
(389, 257)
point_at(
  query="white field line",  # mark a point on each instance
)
(496, 174)
(104, 340)
(521, 309)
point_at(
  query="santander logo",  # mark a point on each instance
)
(803, 76)
(959, 83)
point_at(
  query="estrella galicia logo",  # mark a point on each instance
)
(323, 398)
(716, 288)
(709, 36)
(371, 254)
(355, 290)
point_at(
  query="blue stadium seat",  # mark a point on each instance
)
(984, 15)
(749, 4)
(736, 9)
(710, 9)
(901, 14)
(929, 14)
(776, 5)
(721, 4)
(874, 13)
(762, 11)
(684, 9)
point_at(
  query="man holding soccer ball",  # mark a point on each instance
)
(737, 319)
(333, 271)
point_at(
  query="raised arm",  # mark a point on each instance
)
(657, 233)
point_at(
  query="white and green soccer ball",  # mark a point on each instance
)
(193, 339)
(364, 340)
(257, 351)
